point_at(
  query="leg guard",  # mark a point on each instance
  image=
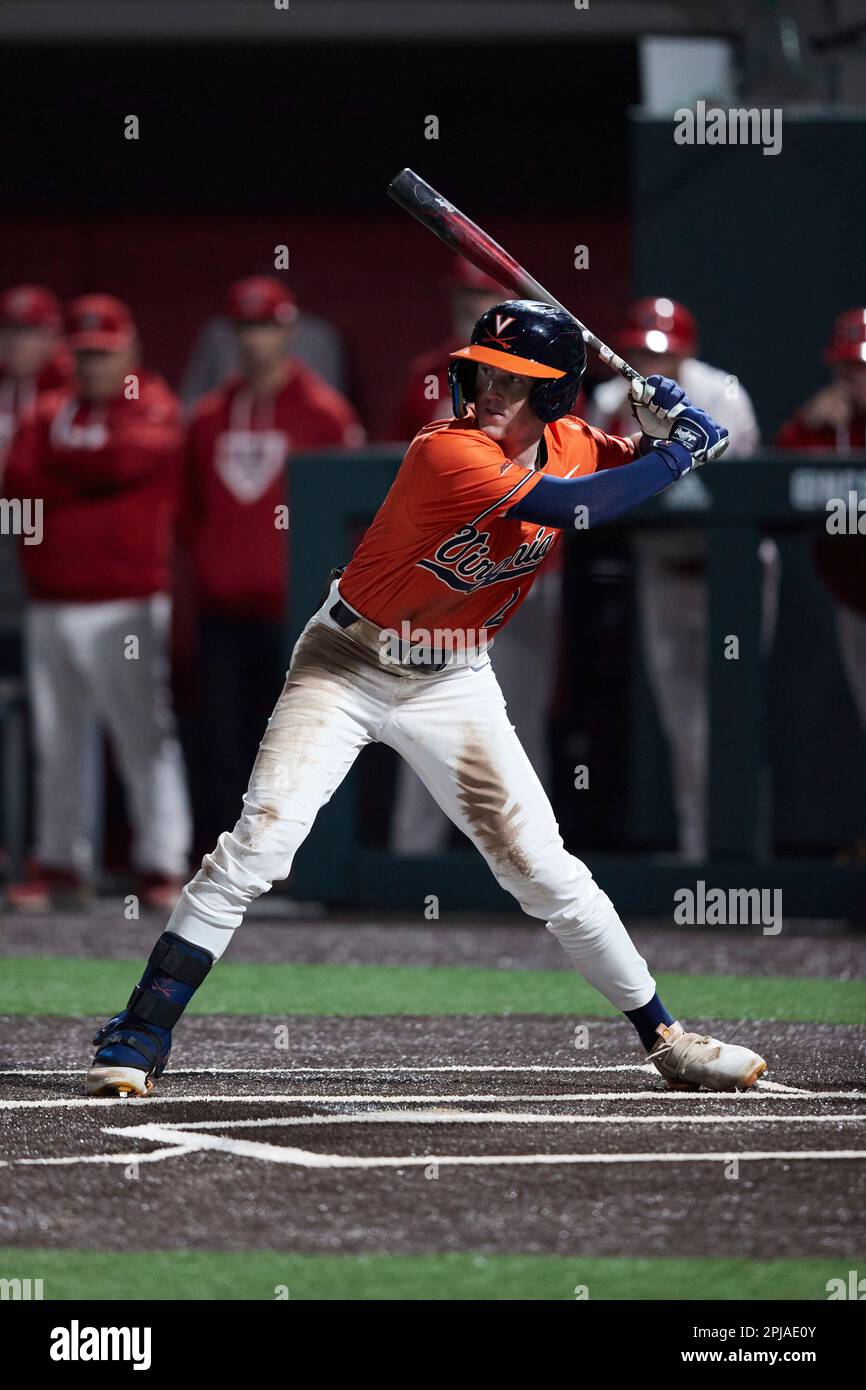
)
(138, 1039)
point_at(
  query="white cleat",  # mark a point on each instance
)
(688, 1061)
(117, 1081)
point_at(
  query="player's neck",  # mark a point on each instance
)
(524, 449)
(267, 381)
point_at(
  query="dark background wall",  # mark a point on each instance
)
(766, 249)
(243, 147)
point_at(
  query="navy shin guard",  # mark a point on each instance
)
(140, 1036)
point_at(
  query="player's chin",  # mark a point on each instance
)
(492, 425)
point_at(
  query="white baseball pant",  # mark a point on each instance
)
(454, 732)
(83, 672)
(529, 643)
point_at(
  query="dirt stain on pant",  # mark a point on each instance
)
(484, 800)
(321, 662)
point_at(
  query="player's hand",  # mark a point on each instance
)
(702, 437)
(831, 408)
(655, 401)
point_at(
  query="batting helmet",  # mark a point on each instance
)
(659, 325)
(530, 339)
(849, 337)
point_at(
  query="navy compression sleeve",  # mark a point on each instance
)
(605, 495)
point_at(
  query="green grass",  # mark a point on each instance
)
(256, 1275)
(69, 986)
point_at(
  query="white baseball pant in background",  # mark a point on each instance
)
(454, 732)
(82, 674)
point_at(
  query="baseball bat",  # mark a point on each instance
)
(414, 195)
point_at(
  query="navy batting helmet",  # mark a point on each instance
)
(530, 339)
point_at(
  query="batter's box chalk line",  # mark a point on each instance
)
(400, 1068)
(306, 1158)
(757, 1094)
(187, 1137)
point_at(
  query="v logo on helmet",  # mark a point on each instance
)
(502, 322)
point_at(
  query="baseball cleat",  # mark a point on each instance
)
(130, 1058)
(688, 1061)
(41, 889)
(160, 892)
(117, 1081)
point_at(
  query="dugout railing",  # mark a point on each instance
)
(333, 497)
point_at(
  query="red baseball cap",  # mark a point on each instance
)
(466, 276)
(659, 325)
(849, 337)
(260, 299)
(99, 322)
(30, 306)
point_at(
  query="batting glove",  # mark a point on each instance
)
(665, 413)
(656, 400)
(695, 438)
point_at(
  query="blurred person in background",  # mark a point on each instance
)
(660, 335)
(102, 456)
(234, 528)
(33, 356)
(215, 355)
(426, 394)
(33, 359)
(833, 421)
(531, 642)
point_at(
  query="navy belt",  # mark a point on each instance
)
(344, 617)
(342, 614)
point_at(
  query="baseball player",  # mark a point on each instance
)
(33, 357)
(660, 336)
(833, 421)
(103, 456)
(239, 441)
(397, 653)
(417, 825)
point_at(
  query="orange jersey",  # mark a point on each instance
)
(441, 552)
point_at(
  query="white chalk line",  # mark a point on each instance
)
(646, 1068)
(345, 1071)
(274, 1153)
(176, 1151)
(483, 1117)
(754, 1094)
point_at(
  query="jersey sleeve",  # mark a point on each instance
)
(458, 476)
(608, 450)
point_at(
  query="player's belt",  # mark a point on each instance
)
(344, 617)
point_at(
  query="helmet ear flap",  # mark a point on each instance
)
(552, 399)
(539, 401)
(461, 379)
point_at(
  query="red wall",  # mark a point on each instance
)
(379, 279)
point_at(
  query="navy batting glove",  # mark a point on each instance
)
(666, 394)
(655, 401)
(695, 438)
